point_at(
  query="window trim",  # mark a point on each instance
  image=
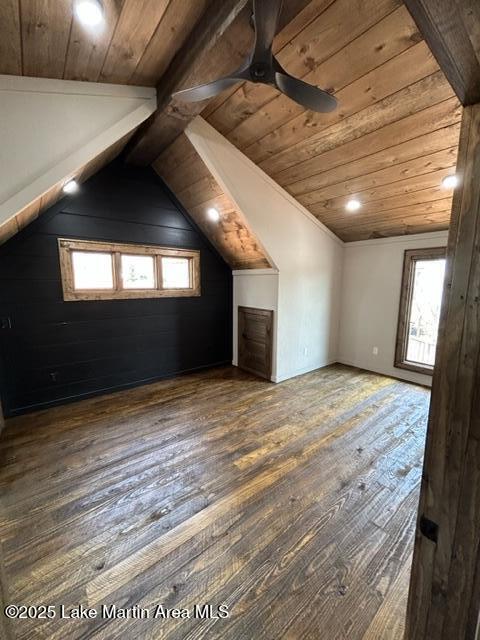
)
(411, 256)
(70, 294)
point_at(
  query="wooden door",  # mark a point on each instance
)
(255, 341)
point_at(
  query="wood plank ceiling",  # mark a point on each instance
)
(42, 38)
(231, 234)
(391, 141)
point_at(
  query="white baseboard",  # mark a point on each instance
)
(300, 372)
(416, 378)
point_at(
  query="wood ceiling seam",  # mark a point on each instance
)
(179, 21)
(131, 39)
(208, 178)
(414, 227)
(378, 154)
(149, 41)
(341, 212)
(278, 176)
(305, 145)
(166, 154)
(101, 67)
(416, 224)
(87, 50)
(405, 231)
(20, 22)
(226, 94)
(432, 216)
(392, 214)
(44, 47)
(68, 46)
(438, 155)
(376, 220)
(180, 180)
(321, 206)
(305, 25)
(10, 41)
(442, 217)
(368, 173)
(409, 179)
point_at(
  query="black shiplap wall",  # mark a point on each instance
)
(56, 351)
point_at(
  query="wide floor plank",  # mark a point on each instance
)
(294, 504)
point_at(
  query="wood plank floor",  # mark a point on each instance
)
(294, 504)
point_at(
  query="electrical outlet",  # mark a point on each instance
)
(375, 351)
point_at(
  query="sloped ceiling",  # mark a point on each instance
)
(43, 39)
(54, 130)
(231, 235)
(395, 132)
(390, 143)
(52, 195)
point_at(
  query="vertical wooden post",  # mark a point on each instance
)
(4, 632)
(444, 598)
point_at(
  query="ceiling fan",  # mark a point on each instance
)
(263, 67)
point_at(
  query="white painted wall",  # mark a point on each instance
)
(333, 301)
(372, 276)
(50, 128)
(306, 254)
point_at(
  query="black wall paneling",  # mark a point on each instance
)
(54, 351)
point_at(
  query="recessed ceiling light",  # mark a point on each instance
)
(213, 214)
(71, 186)
(450, 182)
(353, 205)
(89, 12)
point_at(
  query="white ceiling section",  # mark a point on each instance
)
(50, 128)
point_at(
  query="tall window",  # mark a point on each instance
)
(420, 302)
(112, 271)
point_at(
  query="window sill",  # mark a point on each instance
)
(417, 368)
(130, 294)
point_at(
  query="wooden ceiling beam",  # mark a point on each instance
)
(189, 66)
(218, 44)
(448, 27)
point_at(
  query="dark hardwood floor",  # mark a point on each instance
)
(294, 504)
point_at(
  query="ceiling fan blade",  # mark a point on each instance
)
(265, 16)
(211, 89)
(205, 91)
(307, 95)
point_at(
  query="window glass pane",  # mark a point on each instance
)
(92, 270)
(138, 272)
(425, 311)
(176, 273)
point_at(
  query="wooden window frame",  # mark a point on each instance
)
(411, 257)
(70, 294)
